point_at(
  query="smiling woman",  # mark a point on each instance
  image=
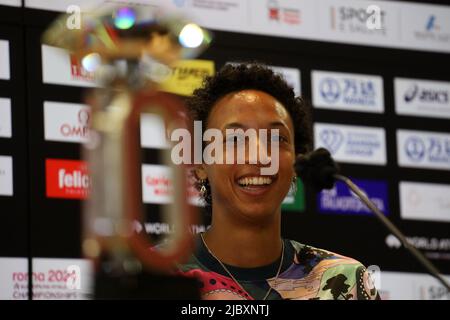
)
(242, 255)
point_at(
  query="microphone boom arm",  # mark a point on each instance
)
(395, 231)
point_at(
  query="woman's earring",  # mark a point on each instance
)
(203, 190)
(294, 185)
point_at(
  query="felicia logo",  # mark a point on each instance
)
(72, 179)
(66, 179)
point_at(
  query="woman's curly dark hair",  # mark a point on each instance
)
(257, 76)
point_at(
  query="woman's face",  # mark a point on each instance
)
(237, 187)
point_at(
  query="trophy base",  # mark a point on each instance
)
(145, 286)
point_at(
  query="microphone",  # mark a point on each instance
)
(319, 170)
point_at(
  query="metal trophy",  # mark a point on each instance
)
(130, 48)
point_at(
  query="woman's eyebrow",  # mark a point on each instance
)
(234, 125)
(278, 124)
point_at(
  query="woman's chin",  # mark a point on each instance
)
(258, 211)
(257, 204)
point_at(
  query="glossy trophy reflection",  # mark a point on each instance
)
(130, 49)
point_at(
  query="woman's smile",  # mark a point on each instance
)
(255, 185)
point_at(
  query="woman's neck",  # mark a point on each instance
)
(244, 245)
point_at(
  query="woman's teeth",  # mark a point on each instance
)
(256, 181)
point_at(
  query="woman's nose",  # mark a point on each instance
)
(262, 149)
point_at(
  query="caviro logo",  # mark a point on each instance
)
(67, 122)
(157, 184)
(67, 179)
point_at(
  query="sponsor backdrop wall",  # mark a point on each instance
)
(381, 105)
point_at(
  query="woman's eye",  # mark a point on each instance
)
(278, 138)
(234, 138)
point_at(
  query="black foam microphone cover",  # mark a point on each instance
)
(317, 168)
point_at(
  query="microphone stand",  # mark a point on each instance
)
(392, 228)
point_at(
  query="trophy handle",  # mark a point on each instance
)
(182, 242)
